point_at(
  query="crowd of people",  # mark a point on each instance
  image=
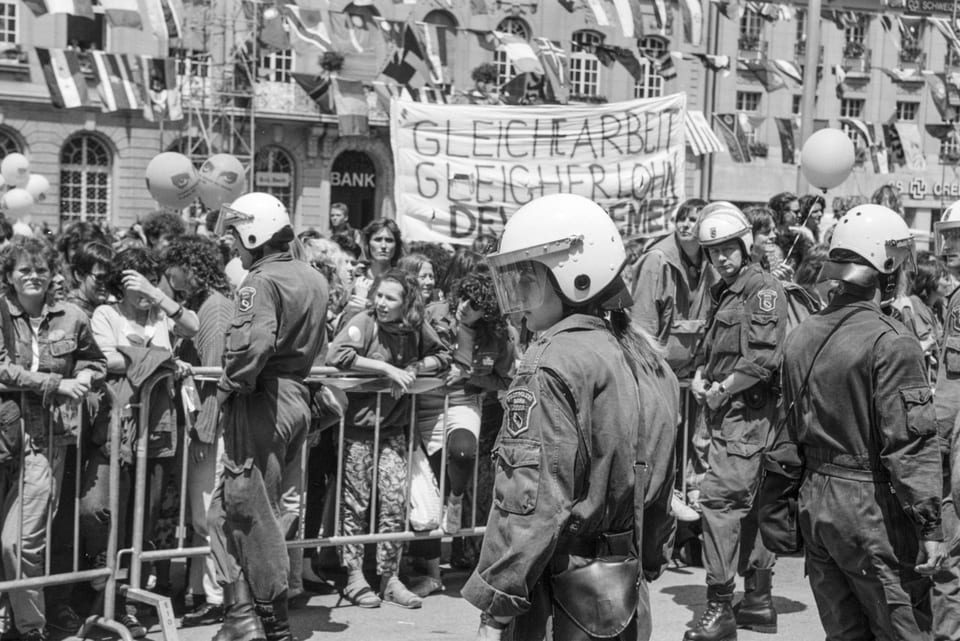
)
(721, 301)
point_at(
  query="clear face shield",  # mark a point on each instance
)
(946, 238)
(520, 277)
(230, 218)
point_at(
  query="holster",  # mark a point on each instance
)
(598, 600)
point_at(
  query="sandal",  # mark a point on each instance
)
(361, 596)
(425, 586)
(396, 593)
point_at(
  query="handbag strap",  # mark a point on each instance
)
(806, 378)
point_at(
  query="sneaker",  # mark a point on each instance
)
(132, 623)
(452, 514)
(63, 619)
(37, 634)
(204, 614)
(683, 511)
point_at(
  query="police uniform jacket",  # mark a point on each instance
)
(867, 406)
(748, 327)
(565, 467)
(672, 301)
(947, 398)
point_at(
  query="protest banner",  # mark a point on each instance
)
(462, 170)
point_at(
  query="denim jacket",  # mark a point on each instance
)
(66, 347)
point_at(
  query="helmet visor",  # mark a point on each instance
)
(947, 238)
(230, 218)
(520, 286)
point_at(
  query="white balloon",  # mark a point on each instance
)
(827, 158)
(37, 187)
(16, 203)
(15, 169)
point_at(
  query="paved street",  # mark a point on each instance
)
(676, 599)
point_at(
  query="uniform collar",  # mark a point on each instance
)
(748, 273)
(574, 322)
(843, 301)
(272, 258)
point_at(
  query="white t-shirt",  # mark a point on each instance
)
(111, 330)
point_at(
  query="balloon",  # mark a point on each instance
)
(37, 187)
(221, 180)
(172, 180)
(827, 158)
(15, 169)
(16, 202)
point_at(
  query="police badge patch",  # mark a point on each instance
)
(245, 299)
(955, 319)
(519, 403)
(768, 300)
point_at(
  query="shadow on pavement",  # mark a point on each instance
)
(694, 598)
(313, 618)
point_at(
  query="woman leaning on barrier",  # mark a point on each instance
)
(49, 350)
(585, 455)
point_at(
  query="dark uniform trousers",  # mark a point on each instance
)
(945, 597)
(731, 534)
(860, 548)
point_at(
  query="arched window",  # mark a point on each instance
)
(8, 144)
(505, 70)
(442, 18)
(85, 168)
(273, 173)
(584, 64)
(650, 83)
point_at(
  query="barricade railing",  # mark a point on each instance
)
(46, 444)
(348, 382)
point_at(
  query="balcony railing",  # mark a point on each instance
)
(912, 58)
(856, 59)
(751, 47)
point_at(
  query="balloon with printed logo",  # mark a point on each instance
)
(15, 169)
(172, 180)
(827, 158)
(37, 187)
(221, 180)
(16, 202)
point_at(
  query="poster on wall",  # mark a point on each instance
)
(462, 170)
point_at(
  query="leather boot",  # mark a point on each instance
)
(240, 620)
(717, 623)
(756, 612)
(274, 618)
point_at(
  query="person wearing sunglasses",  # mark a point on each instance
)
(91, 265)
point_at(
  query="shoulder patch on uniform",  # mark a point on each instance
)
(519, 401)
(245, 298)
(354, 333)
(955, 319)
(768, 300)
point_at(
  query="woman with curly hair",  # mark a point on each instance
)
(194, 271)
(483, 356)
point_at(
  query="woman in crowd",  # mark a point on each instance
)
(382, 247)
(390, 339)
(195, 273)
(51, 352)
(420, 267)
(811, 209)
(483, 357)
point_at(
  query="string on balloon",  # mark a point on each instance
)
(804, 215)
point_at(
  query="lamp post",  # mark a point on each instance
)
(811, 61)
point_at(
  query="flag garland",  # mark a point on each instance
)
(65, 80)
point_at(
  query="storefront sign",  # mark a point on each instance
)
(352, 179)
(942, 7)
(462, 170)
(920, 189)
(271, 179)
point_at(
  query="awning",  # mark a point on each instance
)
(700, 137)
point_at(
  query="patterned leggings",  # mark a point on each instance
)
(355, 506)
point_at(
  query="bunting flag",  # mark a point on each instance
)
(308, 32)
(940, 131)
(878, 151)
(122, 13)
(629, 16)
(408, 66)
(353, 112)
(392, 32)
(116, 82)
(349, 32)
(79, 8)
(660, 13)
(911, 27)
(700, 138)
(61, 70)
(948, 31)
(522, 89)
(519, 52)
(732, 134)
(789, 69)
(940, 94)
(841, 75)
(478, 8)
(556, 67)
(163, 18)
(431, 95)
(711, 62)
(662, 62)
(318, 88)
(599, 12)
(161, 89)
(485, 39)
(764, 71)
(691, 12)
(859, 126)
(723, 6)
(274, 33)
(788, 130)
(904, 75)
(895, 147)
(434, 39)
(569, 5)
(631, 64)
(909, 135)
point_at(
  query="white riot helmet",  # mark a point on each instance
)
(868, 240)
(257, 218)
(575, 239)
(946, 231)
(721, 221)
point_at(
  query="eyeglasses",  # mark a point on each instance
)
(101, 279)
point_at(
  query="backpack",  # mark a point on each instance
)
(800, 304)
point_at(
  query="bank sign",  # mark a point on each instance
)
(462, 170)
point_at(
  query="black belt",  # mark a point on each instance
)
(832, 469)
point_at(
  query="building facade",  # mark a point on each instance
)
(241, 98)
